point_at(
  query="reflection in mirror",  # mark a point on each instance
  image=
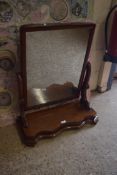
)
(54, 61)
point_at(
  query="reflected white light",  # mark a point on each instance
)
(39, 97)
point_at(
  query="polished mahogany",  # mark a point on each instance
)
(65, 106)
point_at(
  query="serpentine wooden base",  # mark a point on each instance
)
(50, 122)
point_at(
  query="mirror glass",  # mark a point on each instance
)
(54, 60)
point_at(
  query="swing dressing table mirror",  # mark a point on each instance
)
(54, 78)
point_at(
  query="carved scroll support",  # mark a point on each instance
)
(21, 99)
(83, 101)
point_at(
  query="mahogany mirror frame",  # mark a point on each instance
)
(90, 114)
(32, 28)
